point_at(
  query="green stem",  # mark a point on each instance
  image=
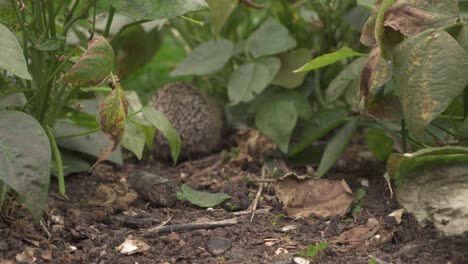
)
(93, 27)
(196, 22)
(79, 134)
(109, 21)
(50, 9)
(465, 102)
(58, 161)
(404, 135)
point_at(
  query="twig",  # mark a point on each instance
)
(209, 169)
(259, 211)
(264, 180)
(189, 227)
(133, 221)
(49, 236)
(254, 205)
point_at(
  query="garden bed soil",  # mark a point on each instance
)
(102, 211)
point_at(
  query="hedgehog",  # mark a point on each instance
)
(196, 117)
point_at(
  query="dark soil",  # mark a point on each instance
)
(102, 211)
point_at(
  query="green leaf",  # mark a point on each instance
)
(25, 158)
(378, 143)
(72, 163)
(276, 120)
(328, 59)
(360, 193)
(159, 120)
(289, 62)
(91, 144)
(148, 131)
(319, 125)
(112, 118)
(220, 10)
(251, 79)
(336, 146)
(134, 140)
(462, 37)
(412, 17)
(322, 245)
(271, 38)
(349, 74)
(11, 54)
(207, 58)
(201, 199)
(431, 69)
(157, 9)
(49, 45)
(94, 66)
(366, 3)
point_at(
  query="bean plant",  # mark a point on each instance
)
(50, 81)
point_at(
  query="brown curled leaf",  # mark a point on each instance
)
(112, 118)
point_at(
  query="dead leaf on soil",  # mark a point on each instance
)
(372, 233)
(27, 256)
(131, 246)
(47, 255)
(113, 197)
(253, 144)
(317, 198)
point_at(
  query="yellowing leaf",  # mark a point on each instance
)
(112, 118)
(94, 65)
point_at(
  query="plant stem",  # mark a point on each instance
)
(58, 161)
(403, 136)
(50, 9)
(80, 134)
(109, 21)
(196, 22)
(465, 102)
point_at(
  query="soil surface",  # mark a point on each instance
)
(102, 211)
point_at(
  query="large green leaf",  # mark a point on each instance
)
(72, 163)
(349, 74)
(378, 143)
(319, 125)
(412, 17)
(431, 69)
(91, 144)
(220, 10)
(202, 199)
(328, 59)
(11, 54)
(134, 140)
(277, 119)
(162, 124)
(271, 38)
(289, 62)
(94, 66)
(251, 79)
(25, 158)
(207, 58)
(462, 37)
(157, 9)
(433, 187)
(336, 146)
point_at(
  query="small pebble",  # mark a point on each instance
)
(218, 246)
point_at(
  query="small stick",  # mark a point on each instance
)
(209, 169)
(133, 221)
(189, 227)
(259, 193)
(259, 211)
